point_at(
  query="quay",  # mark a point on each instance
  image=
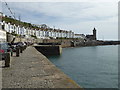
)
(34, 70)
(49, 49)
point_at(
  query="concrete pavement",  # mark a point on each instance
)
(34, 70)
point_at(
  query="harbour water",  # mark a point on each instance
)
(90, 67)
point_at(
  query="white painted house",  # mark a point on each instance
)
(40, 33)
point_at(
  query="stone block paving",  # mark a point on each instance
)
(34, 70)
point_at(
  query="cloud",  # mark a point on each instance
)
(80, 17)
(62, 0)
(68, 9)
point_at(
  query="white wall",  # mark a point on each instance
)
(2, 36)
(40, 33)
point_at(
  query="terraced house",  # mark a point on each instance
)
(28, 30)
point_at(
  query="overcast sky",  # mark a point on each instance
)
(80, 17)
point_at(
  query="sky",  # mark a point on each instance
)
(80, 17)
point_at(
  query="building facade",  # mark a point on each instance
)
(39, 33)
(92, 37)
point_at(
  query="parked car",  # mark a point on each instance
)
(13, 46)
(4, 48)
(19, 44)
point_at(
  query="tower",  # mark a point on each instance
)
(94, 33)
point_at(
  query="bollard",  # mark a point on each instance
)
(21, 49)
(17, 51)
(7, 59)
(11, 51)
(24, 47)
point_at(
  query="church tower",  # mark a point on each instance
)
(94, 34)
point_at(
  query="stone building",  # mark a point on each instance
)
(92, 37)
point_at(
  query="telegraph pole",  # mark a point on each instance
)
(20, 27)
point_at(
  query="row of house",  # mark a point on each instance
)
(42, 32)
(39, 33)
